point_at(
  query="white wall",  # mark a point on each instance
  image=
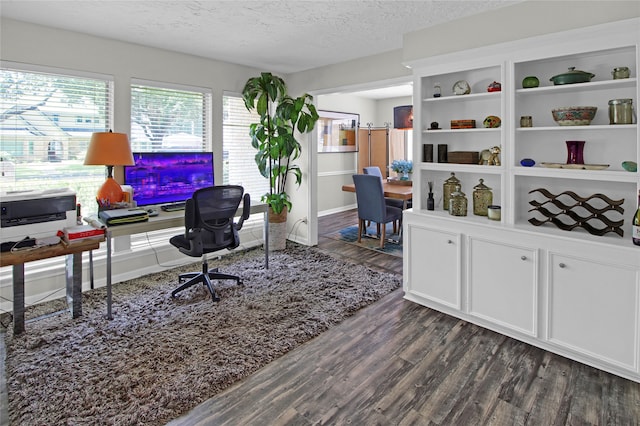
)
(522, 20)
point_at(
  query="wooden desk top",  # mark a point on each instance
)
(60, 249)
(400, 192)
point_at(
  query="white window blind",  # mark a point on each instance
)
(46, 122)
(238, 155)
(168, 118)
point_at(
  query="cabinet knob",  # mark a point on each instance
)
(562, 265)
(523, 257)
(449, 242)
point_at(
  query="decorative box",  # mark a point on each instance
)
(463, 124)
(464, 157)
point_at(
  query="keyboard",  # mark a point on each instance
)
(173, 207)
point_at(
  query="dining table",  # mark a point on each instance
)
(391, 190)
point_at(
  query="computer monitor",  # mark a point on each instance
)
(168, 177)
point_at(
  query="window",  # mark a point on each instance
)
(43, 138)
(166, 117)
(238, 155)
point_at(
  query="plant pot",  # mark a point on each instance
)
(277, 230)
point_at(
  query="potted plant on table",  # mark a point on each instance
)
(403, 168)
(277, 147)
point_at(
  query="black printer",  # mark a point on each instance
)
(36, 214)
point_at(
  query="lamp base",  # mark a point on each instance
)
(109, 194)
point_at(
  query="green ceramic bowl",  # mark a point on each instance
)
(630, 166)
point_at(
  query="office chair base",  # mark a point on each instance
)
(204, 277)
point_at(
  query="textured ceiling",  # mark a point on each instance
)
(279, 36)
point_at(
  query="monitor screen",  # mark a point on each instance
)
(168, 177)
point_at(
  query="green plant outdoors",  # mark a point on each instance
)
(273, 137)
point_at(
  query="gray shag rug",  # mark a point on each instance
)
(161, 356)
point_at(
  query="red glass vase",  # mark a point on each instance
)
(575, 152)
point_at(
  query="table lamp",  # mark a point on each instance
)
(109, 149)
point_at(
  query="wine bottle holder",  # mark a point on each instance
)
(566, 217)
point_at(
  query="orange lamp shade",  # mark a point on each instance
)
(109, 149)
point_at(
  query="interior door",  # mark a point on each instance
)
(373, 149)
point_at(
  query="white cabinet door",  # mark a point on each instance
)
(593, 308)
(503, 284)
(434, 265)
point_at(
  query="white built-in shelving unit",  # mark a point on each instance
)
(570, 292)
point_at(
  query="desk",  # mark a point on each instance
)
(73, 267)
(166, 220)
(400, 192)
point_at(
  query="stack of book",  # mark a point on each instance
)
(74, 234)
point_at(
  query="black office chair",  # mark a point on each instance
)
(209, 226)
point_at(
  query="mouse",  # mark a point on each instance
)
(152, 212)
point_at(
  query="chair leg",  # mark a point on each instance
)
(207, 282)
(360, 225)
(215, 275)
(196, 279)
(383, 237)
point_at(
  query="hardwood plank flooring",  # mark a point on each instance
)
(398, 363)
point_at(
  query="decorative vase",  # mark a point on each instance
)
(458, 202)
(575, 152)
(530, 82)
(482, 199)
(405, 176)
(277, 230)
(448, 187)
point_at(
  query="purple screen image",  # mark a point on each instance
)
(168, 177)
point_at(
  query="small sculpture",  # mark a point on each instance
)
(494, 157)
(494, 87)
(484, 157)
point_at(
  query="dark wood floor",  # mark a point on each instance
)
(397, 363)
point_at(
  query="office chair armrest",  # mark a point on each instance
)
(246, 211)
(189, 216)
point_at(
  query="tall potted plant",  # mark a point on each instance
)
(274, 139)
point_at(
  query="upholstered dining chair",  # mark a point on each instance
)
(209, 227)
(372, 206)
(393, 202)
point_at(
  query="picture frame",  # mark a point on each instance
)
(337, 131)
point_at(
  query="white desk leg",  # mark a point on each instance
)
(266, 238)
(109, 316)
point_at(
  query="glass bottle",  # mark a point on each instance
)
(448, 187)
(635, 225)
(482, 199)
(430, 200)
(458, 203)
